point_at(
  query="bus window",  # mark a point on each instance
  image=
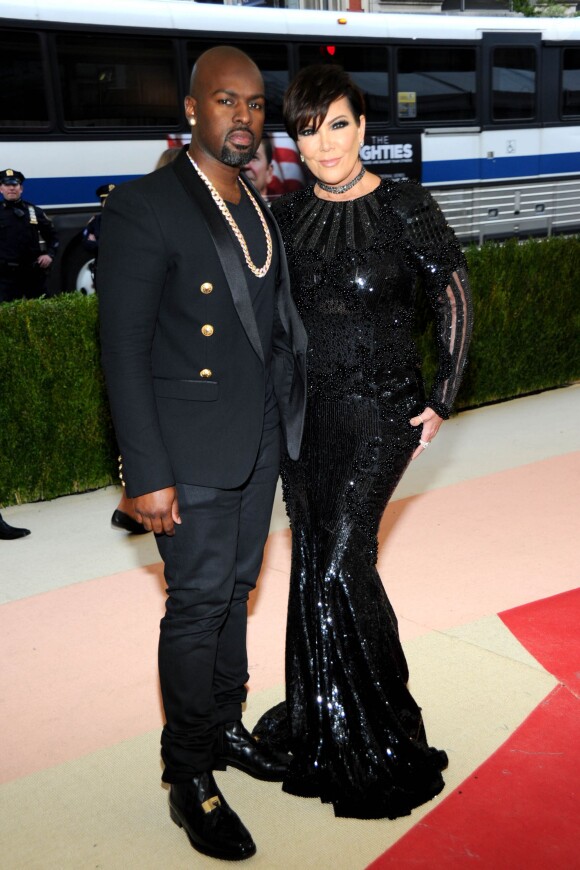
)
(22, 85)
(366, 64)
(571, 83)
(436, 84)
(111, 81)
(514, 83)
(272, 60)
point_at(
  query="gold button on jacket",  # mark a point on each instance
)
(205, 373)
(207, 329)
(206, 287)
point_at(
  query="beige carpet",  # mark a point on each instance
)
(79, 702)
(108, 810)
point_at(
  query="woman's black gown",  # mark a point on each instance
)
(356, 734)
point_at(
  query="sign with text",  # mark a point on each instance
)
(393, 155)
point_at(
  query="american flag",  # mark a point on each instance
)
(288, 174)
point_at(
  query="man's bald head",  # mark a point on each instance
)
(225, 108)
(213, 59)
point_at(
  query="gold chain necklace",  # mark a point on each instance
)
(258, 272)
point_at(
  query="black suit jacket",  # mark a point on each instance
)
(188, 407)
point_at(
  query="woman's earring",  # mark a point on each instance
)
(192, 121)
(302, 158)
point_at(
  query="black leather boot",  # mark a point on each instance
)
(236, 746)
(10, 533)
(213, 828)
(121, 520)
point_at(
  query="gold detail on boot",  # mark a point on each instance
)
(211, 804)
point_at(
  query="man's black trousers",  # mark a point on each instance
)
(211, 565)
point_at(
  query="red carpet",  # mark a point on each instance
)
(532, 777)
(550, 630)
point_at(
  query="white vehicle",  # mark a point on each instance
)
(485, 111)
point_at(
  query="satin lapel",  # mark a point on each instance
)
(227, 253)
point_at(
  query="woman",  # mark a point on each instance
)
(356, 245)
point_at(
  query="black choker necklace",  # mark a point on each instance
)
(343, 187)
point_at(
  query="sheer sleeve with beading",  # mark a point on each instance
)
(434, 250)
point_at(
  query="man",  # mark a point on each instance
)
(124, 514)
(203, 353)
(28, 242)
(260, 168)
(92, 231)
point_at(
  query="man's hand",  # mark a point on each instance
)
(158, 511)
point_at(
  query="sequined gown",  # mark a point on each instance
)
(356, 734)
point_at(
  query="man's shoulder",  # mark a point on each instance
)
(160, 186)
(25, 203)
(31, 209)
(143, 184)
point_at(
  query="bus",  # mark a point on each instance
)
(484, 111)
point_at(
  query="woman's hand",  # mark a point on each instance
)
(430, 421)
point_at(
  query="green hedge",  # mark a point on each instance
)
(526, 320)
(55, 431)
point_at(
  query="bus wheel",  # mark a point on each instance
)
(85, 280)
(76, 273)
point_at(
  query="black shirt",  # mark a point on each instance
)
(262, 290)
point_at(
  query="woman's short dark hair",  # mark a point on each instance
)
(311, 93)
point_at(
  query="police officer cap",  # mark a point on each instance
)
(104, 190)
(11, 176)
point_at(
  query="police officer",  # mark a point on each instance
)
(92, 231)
(28, 242)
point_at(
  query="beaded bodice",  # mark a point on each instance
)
(354, 267)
